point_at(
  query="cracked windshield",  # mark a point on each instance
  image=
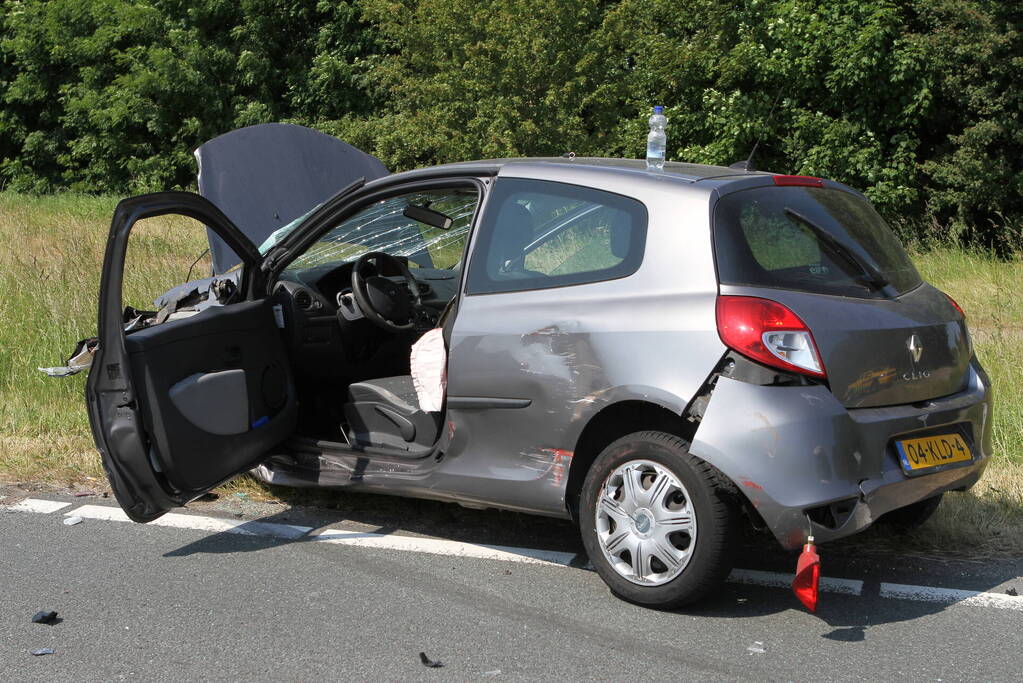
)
(385, 226)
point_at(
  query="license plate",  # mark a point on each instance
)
(932, 451)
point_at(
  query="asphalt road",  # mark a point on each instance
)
(158, 603)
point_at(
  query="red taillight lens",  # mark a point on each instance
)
(798, 181)
(768, 332)
(957, 306)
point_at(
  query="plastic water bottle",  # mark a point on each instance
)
(657, 140)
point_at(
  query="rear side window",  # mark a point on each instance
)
(807, 239)
(539, 234)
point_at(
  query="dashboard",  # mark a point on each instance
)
(328, 343)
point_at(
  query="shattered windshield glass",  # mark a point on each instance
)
(384, 226)
(278, 234)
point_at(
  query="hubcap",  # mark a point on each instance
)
(646, 525)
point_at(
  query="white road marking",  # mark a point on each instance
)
(755, 577)
(37, 505)
(199, 523)
(951, 596)
(436, 546)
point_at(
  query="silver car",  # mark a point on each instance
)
(660, 356)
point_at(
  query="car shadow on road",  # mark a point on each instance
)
(862, 557)
(386, 515)
(845, 618)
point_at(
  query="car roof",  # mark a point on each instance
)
(687, 173)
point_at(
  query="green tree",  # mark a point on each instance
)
(463, 79)
(115, 94)
(915, 102)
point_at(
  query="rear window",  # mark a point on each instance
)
(771, 237)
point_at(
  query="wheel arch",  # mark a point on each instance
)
(613, 422)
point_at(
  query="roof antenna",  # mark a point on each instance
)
(747, 165)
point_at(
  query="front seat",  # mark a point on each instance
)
(385, 413)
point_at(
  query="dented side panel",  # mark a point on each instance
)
(789, 449)
(573, 351)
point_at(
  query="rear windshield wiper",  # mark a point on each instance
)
(869, 274)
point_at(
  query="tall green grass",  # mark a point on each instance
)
(50, 265)
(989, 291)
(49, 275)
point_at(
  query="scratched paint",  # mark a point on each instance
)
(549, 463)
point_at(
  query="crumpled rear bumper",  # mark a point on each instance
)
(793, 450)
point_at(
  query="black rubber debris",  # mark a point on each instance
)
(430, 662)
(42, 651)
(1011, 591)
(46, 618)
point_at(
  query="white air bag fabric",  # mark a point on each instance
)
(429, 370)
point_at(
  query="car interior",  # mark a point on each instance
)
(356, 301)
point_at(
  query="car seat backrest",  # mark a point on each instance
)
(512, 232)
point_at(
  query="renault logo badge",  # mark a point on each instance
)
(916, 347)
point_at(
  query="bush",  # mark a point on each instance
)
(915, 102)
(115, 94)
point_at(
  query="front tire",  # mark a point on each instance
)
(657, 523)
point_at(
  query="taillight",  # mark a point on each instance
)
(798, 181)
(969, 337)
(957, 306)
(768, 332)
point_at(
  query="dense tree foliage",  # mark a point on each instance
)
(916, 102)
(115, 94)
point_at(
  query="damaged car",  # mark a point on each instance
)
(660, 356)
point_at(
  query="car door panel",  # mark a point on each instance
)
(228, 365)
(155, 455)
(216, 402)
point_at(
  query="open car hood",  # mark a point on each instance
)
(265, 176)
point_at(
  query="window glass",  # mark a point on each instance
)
(807, 239)
(163, 252)
(384, 226)
(539, 234)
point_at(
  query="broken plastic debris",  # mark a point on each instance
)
(757, 648)
(81, 359)
(60, 371)
(82, 494)
(45, 617)
(42, 651)
(433, 664)
(1011, 591)
(71, 521)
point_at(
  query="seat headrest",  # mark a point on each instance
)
(621, 234)
(512, 232)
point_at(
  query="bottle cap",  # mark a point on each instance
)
(658, 109)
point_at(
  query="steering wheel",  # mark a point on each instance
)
(384, 303)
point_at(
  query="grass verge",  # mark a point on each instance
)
(49, 276)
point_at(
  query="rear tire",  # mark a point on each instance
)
(658, 524)
(906, 519)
